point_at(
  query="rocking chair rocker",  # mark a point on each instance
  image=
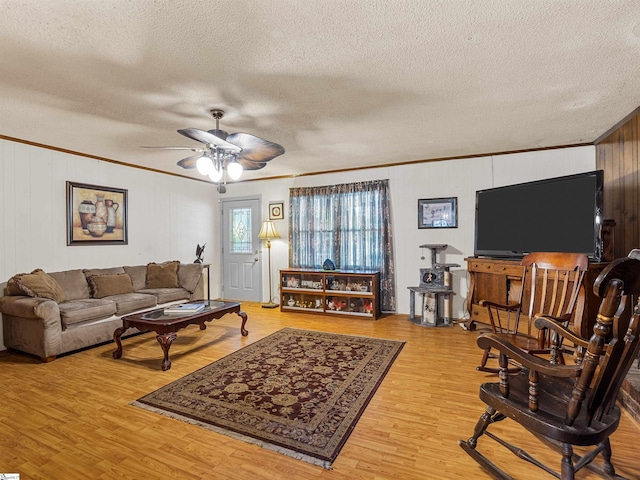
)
(567, 405)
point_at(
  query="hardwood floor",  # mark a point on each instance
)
(72, 418)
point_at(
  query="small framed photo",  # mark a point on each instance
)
(276, 211)
(96, 215)
(438, 212)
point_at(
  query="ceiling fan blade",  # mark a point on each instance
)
(255, 149)
(251, 165)
(193, 149)
(206, 137)
(189, 162)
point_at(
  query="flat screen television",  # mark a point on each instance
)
(561, 214)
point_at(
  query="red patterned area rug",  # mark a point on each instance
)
(298, 392)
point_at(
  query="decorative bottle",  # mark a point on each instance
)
(101, 208)
(112, 208)
(86, 209)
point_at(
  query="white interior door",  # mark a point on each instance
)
(241, 271)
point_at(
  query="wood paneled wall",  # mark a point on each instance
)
(618, 154)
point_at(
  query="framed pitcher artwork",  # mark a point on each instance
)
(96, 215)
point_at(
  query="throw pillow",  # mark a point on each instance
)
(106, 285)
(103, 271)
(163, 275)
(35, 284)
(74, 284)
(189, 275)
(138, 276)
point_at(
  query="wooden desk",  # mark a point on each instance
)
(498, 280)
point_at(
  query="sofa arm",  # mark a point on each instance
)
(29, 307)
(32, 325)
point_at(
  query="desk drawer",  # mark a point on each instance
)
(479, 313)
(495, 268)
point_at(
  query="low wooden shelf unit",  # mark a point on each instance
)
(334, 292)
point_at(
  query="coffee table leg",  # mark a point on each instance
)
(165, 340)
(116, 337)
(243, 330)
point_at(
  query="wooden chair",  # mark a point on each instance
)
(567, 405)
(551, 286)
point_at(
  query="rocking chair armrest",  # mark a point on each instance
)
(532, 362)
(489, 304)
(552, 323)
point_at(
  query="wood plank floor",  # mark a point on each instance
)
(72, 418)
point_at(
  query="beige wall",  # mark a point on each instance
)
(451, 178)
(168, 215)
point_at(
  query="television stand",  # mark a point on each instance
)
(500, 280)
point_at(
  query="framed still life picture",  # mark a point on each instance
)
(438, 213)
(96, 215)
(276, 211)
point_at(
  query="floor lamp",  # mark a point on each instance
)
(267, 232)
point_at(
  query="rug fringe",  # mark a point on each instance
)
(326, 464)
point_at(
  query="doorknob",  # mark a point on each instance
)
(256, 259)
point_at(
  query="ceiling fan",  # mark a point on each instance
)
(223, 152)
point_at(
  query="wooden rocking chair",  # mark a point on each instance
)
(550, 286)
(567, 405)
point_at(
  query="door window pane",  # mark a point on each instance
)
(240, 227)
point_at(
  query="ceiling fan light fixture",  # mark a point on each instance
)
(234, 169)
(204, 165)
(225, 154)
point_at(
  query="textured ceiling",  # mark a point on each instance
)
(338, 83)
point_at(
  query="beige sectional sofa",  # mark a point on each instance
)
(48, 314)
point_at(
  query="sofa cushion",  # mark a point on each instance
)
(138, 276)
(106, 285)
(35, 284)
(103, 271)
(73, 283)
(81, 310)
(130, 302)
(189, 275)
(162, 275)
(165, 295)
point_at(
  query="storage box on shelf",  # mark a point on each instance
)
(332, 292)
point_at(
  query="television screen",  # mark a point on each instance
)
(555, 215)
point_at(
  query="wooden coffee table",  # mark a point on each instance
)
(166, 325)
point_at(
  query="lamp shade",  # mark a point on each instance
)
(268, 231)
(215, 174)
(234, 169)
(204, 165)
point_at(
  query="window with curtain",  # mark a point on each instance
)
(348, 223)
